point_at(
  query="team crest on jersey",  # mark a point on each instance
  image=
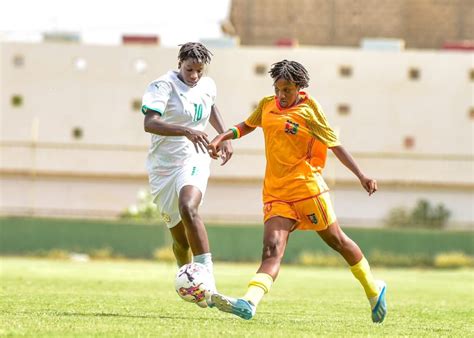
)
(291, 127)
(312, 218)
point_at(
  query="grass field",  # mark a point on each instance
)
(128, 298)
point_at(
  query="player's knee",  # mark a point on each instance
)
(272, 249)
(188, 210)
(338, 243)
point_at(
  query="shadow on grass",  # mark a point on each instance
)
(106, 314)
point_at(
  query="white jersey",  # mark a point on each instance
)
(177, 103)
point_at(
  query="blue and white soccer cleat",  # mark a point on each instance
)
(380, 309)
(239, 307)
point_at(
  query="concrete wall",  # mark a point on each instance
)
(414, 135)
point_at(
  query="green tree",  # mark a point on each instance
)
(423, 215)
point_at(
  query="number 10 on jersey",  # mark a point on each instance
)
(197, 112)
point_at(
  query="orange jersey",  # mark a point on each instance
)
(296, 142)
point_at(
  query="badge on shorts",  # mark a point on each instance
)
(165, 217)
(312, 218)
(267, 207)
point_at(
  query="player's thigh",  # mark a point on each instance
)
(190, 196)
(191, 183)
(276, 232)
(334, 236)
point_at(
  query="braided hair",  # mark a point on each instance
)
(291, 71)
(194, 50)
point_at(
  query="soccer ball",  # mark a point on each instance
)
(194, 283)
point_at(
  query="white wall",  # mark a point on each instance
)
(98, 174)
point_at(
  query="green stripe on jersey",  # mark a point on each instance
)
(146, 110)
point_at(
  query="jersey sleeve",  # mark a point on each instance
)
(156, 97)
(255, 119)
(319, 127)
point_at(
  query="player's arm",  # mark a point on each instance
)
(226, 147)
(237, 131)
(346, 158)
(155, 125)
(319, 128)
(154, 103)
(241, 129)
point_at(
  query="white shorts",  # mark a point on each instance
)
(165, 189)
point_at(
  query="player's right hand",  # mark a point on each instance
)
(199, 139)
(213, 147)
(369, 184)
(226, 150)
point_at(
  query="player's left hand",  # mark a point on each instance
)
(369, 184)
(226, 151)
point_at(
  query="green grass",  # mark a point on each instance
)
(128, 298)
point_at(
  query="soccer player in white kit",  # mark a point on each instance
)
(177, 108)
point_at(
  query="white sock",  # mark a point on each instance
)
(206, 260)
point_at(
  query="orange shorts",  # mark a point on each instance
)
(313, 213)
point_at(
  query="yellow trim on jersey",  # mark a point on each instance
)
(255, 119)
(318, 125)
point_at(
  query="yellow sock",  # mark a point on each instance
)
(362, 272)
(259, 285)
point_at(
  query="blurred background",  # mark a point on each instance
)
(395, 79)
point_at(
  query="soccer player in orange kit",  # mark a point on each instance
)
(295, 195)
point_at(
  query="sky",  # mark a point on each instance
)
(105, 21)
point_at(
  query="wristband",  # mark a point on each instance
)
(235, 132)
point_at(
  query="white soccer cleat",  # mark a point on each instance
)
(380, 309)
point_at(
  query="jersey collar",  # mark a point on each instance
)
(302, 96)
(183, 86)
